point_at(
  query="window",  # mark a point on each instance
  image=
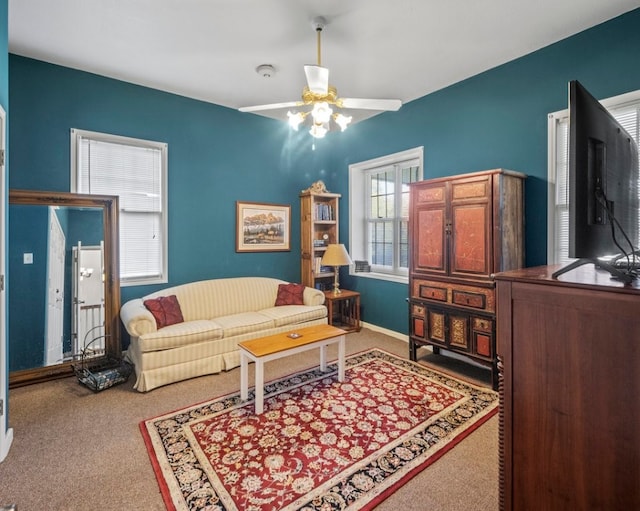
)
(136, 171)
(379, 212)
(626, 110)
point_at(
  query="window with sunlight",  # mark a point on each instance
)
(134, 170)
(379, 216)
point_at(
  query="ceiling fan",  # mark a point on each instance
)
(321, 97)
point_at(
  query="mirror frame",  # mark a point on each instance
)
(110, 208)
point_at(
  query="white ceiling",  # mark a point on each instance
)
(209, 49)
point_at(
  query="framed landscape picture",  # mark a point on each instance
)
(262, 227)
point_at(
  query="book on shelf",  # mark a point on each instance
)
(324, 212)
(319, 268)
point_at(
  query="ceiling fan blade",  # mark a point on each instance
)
(317, 79)
(272, 106)
(371, 104)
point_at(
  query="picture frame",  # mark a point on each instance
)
(263, 227)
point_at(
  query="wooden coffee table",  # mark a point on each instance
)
(273, 347)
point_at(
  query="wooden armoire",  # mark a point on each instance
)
(462, 230)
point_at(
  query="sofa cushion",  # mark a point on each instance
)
(180, 334)
(165, 310)
(290, 294)
(294, 314)
(244, 322)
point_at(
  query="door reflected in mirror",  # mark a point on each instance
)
(62, 303)
(87, 317)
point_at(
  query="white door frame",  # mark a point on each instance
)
(54, 310)
(6, 433)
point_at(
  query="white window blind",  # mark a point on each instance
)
(626, 110)
(135, 171)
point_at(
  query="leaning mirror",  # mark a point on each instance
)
(64, 284)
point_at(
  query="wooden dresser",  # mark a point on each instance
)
(462, 229)
(569, 382)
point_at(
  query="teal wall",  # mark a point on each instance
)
(495, 119)
(218, 155)
(27, 302)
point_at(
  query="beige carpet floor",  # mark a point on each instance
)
(74, 450)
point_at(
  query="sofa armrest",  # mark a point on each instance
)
(313, 296)
(137, 319)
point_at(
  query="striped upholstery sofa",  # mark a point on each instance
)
(217, 315)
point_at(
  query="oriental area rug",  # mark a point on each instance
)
(319, 445)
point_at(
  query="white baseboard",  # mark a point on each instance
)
(390, 333)
(405, 338)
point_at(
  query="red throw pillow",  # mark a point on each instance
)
(165, 309)
(290, 294)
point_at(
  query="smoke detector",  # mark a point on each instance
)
(266, 70)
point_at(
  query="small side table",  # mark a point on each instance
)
(344, 309)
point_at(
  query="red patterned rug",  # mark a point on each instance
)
(319, 445)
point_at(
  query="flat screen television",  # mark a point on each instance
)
(603, 189)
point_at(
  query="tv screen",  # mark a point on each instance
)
(603, 186)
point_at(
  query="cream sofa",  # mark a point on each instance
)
(217, 314)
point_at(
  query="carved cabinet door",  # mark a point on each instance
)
(429, 228)
(471, 227)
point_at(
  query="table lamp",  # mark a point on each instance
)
(336, 255)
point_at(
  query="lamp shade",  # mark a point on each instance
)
(336, 255)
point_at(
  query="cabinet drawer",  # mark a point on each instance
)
(433, 293)
(483, 325)
(469, 299)
(480, 298)
(430, 290)
(417, 310)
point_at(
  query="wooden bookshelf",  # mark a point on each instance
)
(319, 215)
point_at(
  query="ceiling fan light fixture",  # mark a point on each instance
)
(321, 112)
(318, 130)
(318, 97)
(342, 120)
(295, 119)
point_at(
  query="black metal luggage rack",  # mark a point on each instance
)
(104, 373)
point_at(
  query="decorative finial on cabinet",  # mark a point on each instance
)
(317, 187)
